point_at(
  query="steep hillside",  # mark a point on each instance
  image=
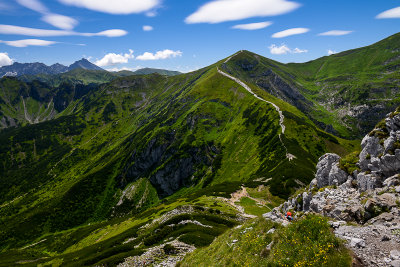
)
(358, 86)
(33, 102)
(147, 141)
(345, 94)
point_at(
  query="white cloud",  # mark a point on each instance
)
(335, 33)
(115, 6)
(34, 5)
(229, 10)
(284, 49)
(279, 50)
(331, 52)
(253, 26)
(17, 30)
(393, 13)
(123, 68)
(107, 33)
(112, 59)
(299, 51)
(60, 21)
(151, 14)
(5, 60)
(56, 20)
(290, 32)
(28, 42)
(159, 55)
(147, 28)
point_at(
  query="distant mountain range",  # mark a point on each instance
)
(18, 69)
(37, 68)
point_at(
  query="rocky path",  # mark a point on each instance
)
(245, 86)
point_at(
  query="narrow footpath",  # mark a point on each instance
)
(245, 86)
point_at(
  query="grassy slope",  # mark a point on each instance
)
(308, 242)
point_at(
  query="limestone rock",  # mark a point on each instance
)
(371, 147)
(395, 255)
(328, 171)
(367, 181)
(392, 181)
(357, 243)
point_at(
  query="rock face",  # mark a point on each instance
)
(369, 196)
(380, 155)
(328, 171)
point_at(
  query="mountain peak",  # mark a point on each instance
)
(84, 64)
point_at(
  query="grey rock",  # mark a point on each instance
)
(357, 243)
(386, 201)
(392, 181)
(393, 124)
(328, 171)
(389, 142)
(367, 181)
(397, 189)
(395, 263)
(371, 147)
(395, 255)
(307, 196)
(337, 176)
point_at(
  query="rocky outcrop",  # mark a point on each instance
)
(370, 196)
(328, 171)
(380, 155)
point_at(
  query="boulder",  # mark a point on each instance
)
(390, 164)
(371, 147)
(395, 255)
(328, 171)
(392, 181)
(357, 243)
(386, 201)
(393, 123)
(367, 181)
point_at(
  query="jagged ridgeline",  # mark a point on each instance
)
(126, 145)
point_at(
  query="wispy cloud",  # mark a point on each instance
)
(331, 52)
(60, 21)
(290, 32)
(147, 28)
(335, 33)
(253, 26)
(393, 13)
(284, 49)
(112, 59)
(5, 60)
(56, 20)
(17, 30)
(165, 54)
(115, 6)
(229, 10)
(28, 42)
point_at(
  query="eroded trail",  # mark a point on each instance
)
(281, 116)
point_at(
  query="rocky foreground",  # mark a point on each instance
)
(365, 204)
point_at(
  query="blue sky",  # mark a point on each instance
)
(186, 35)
